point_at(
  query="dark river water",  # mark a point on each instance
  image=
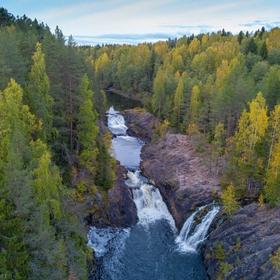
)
(153, 249)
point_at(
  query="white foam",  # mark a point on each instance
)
(116, 122)
(149, 203)
(188, 240)
(100, 239)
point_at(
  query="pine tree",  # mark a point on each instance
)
(263, 51)
(105, 175)
(38, 96)
(29, 185)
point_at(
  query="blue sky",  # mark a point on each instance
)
(152, 19)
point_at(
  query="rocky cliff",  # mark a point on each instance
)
(181, 175)
(174, 166)
(117, 209)
(242, 246)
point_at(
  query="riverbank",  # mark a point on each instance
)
(243, 246)
(116, 209)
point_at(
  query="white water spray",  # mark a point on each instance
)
(189, 240)
(116, 122)
(149, 203)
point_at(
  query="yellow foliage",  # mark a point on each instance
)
(229, 200)
(275, 259)
(195, 103)
(164, 128)
(261, 201)
(102, 62)
(273, 39)
(192, 129)
(252, 125)
(194, 47)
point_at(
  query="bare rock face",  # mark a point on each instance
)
(117, 209)
(140, 123)
(180, 174)
(122, 210)
(241, 247)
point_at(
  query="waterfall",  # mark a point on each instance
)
(149, 203)
(184, 233)
(188, 239)
(116, 122)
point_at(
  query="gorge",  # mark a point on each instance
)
(153, 248)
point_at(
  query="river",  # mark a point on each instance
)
(153, 249)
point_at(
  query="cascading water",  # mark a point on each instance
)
(190, 240)
(148, 201)
(149, 250)
(184, 233)
(116, 122)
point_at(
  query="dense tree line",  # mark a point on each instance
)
(52, 154)
(220, 87)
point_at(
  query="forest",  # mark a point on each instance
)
(223, 90)
(52, 154)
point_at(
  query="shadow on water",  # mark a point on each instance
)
(120, 102)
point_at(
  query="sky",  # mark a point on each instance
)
(95, 21)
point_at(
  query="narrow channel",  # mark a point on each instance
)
(153, 249)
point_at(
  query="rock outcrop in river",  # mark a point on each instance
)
(140, 123)
(174, 166)
(183, 178)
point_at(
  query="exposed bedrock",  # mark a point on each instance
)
(181, 175)
(117, 209)
(242, 246)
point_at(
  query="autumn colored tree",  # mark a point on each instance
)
(246, 163)
(229, 200)
(38, 95)
(272, 189)
(87, 127)
(195, 105)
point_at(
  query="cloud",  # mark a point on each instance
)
(261, 23)
(152, 18)
(187, 26)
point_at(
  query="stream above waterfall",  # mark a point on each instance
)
(153, 249)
